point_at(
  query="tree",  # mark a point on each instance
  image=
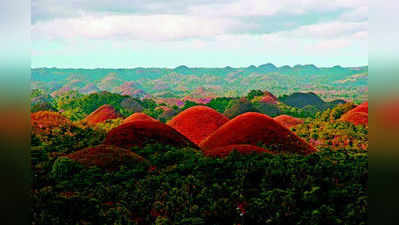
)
(254, 93)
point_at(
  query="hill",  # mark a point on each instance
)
(105, 156)
(358, 115)
(288, 121)
(198, 122)
(310, 99)
(137, 117)
(255, 128)
(143, 132)
(103, 113)
(342, 82)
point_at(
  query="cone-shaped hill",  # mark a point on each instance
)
(103, 113)
(48, 119)
(138, 117)
(358, 115)
(198, 122)
(255, 128)
(140, 133)
(268, 97)
(226, 150)
(364, 107)
(288, 121)
(105, 156)
(357, 118)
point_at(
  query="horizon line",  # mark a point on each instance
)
(194, 67)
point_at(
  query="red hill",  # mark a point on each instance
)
(103, 113)
(288, 121)
(268, 93)
(358, 115)
(255, 128)
(105, 156)
(44, 120)
(140, 133)
(268, 99)
(226, 150)
(49, 118)
(198, 122)
(357, 118)
(364, 107)
(137, 117)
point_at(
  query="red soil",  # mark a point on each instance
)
(142, 132)
(105, 156)
(198, 122)
(49, 118)
(358, 115)
(256, 128)
(356, 118)
(226, 150)
(268, 93)
(103, 113)
(364, 107)
(137, 117)
(288, 121)
(268, 99)
(44, 121)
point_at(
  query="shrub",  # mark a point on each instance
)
(64, 167)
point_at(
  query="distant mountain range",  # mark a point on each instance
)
(335, 82)
(47, 74)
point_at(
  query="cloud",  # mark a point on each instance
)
(332, 44)
(330, 30)
(203, 19)
(268, 7)
(358, 14)
(253, 28)
(142, 27)
(54, 9)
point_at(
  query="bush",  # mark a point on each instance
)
(64, 167)
(253, 93)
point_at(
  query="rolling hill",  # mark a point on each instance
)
(342, 82)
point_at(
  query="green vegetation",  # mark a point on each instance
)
(182, 186)
(219, 104)
(326, 131)
(80, 106)
(253, 93)
(329, 83)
